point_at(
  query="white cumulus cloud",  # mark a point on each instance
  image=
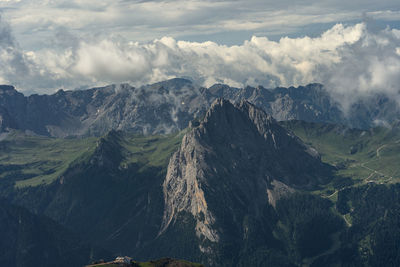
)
(351, 61)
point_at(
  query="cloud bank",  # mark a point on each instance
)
(224, 21)
(351, 61)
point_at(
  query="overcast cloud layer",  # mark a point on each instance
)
(349, 59)
(224, 21)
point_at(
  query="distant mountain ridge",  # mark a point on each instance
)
(148, 110)
(170, 105)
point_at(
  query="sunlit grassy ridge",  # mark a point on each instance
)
(363, 156)
(37, 160)
(151, 150)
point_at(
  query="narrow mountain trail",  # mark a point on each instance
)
(347, 222)
(373, 171)
(378, 150)
(331, 195)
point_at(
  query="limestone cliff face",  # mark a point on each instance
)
(231, 167)
(182, 186)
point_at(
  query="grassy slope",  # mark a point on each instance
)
(36, 160)
(363, 156)
(151, 150)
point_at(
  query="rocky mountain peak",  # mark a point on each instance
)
(108, 152)
(225, 111)
(9, 91)
(238, 156)
(243, 122)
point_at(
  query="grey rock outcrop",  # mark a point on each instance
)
(158, 108)
(170, 105)
(237, 162)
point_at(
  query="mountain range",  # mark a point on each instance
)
(168, 106)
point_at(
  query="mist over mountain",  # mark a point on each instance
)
(168, 106)
(352, 60)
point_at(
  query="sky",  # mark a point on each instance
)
(352, 47)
